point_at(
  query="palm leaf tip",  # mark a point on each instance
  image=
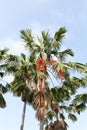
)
(60, 33)
(27, 37)
(72, 117)
(4, 51)
(2, 101)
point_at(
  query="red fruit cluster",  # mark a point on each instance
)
(40, 65)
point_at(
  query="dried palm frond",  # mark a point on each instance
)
(62, 125)
(41, 112)
(51, 126)
(59, 125)
(41, 99)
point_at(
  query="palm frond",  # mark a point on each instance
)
(2, 101)
(60, 34)
(40, 114)
(3, 53)
(74, 83)
(72, 117)
(27, 38)
(62, 55)
(74, 66)
(80, 98)
(3, 89)
(79, 67)
(41, 74)
(12, 58)
(79, 108)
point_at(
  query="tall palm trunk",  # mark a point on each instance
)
(42, 125)
(23, 116)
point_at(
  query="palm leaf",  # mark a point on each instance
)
(27, 38)
(41, 74)
(3, 53)
(80, 98)
(2, 101)
(72, 84)
(3, 89)
(60, 34)
(76, 66)
(72, 117)
(79, 108)
(62, 55)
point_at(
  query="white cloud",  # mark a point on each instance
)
(15, 46)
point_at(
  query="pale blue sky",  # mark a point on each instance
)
(39, 15)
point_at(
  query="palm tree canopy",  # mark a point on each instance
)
(49, 49)
(45, 62)
(3, 65)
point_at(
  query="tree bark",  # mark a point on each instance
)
(23, 116)
(42, 125)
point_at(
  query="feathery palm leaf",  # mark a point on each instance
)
(63, 54)
(27, 37)
(72, 117)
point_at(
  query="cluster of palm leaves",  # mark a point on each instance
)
(7, 66)
(47, 85)
(3, 64)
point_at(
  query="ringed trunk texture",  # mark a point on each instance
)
(23, 116)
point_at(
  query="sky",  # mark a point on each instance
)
(39, 15)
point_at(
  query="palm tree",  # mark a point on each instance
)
(7, 66)
(32, 72)
(50, 62)
(22, 83)
(3, 65)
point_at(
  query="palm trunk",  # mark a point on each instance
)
(42, 125)
(23, 116)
